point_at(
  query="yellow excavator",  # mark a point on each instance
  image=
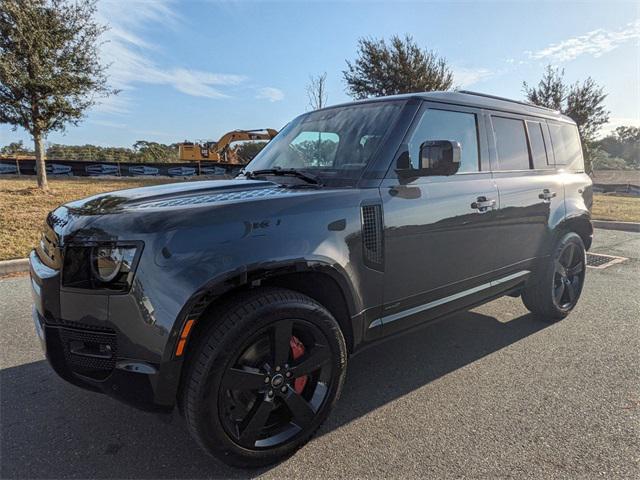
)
(221, 150)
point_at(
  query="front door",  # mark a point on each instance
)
(439, 237)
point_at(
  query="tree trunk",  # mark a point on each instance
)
(41, 169)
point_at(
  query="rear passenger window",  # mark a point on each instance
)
(566, 145)
(536, 142)
(511, 143)
(447, 125)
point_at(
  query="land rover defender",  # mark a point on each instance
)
(239, 301)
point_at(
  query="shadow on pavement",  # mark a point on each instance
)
(53, 430)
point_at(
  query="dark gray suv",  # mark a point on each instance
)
(240, 301)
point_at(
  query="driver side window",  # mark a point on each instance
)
(458, 127)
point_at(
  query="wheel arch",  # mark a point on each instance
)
(580, 224)
(325, 282)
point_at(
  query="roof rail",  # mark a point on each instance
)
(495, 97)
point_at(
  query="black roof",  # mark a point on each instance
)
(480, 100)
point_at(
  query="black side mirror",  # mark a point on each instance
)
(437, 157)
(440, 157)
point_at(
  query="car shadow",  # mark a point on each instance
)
(50, 429)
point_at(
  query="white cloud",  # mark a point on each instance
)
(464, 77)
(270, 93)
(130, 55)
(595, 43)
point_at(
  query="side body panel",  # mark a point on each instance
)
(437, 244)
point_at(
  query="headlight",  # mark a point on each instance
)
(106, 262)
(100, 267)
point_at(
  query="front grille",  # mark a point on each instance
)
(372, 235)
(89, 353)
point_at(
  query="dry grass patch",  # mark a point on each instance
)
(24, 207)
(616, 208)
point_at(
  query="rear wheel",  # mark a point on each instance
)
(557, 285)
(264, 378)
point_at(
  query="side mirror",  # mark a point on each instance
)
(440, 157)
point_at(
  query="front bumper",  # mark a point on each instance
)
(90, 351)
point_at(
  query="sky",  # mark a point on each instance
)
(194, 69)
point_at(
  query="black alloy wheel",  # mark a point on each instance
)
(275, 386)
(556, 283)
(263, 376)
(568, 277)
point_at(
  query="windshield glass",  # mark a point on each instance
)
(332, 143)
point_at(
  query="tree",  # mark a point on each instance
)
(50, 72)
(400, 66)
(245, 151)
(583, 102)
(155, 152)
(317, 91)
(623, 143)
(15, 148)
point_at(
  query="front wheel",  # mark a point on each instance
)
(558, 283)
(264, 378)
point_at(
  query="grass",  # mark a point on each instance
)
(617, 208)
(23, 207)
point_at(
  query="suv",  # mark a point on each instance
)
(240, 300)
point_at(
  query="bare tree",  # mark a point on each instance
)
(50, 72)
(317, 91)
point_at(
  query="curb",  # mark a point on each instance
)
(622, 226)
(14, 266)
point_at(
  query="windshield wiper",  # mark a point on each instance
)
(307, 177)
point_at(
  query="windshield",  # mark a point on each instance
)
(332, 143)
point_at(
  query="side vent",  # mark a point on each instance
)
(372, 236)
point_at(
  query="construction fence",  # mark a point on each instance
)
(78, 168)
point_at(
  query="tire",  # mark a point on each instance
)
(558, 282)
(264, 377)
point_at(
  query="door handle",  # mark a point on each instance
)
(483, 204)
(546, 195)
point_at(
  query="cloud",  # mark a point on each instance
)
(595, 43)
(270, 93)
(464, 77)
(130, 55)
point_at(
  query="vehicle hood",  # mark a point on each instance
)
(176, 195)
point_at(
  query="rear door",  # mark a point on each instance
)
(531, 194)
(439, 237)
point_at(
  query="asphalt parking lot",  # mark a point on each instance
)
(484, 394)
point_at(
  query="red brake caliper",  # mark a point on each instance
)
(297, 350)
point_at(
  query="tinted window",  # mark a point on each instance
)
(446, 125)
(511, 144)
(566, 145)
(536, 141)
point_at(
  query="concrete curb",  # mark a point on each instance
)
(610, 225)
(14, 266)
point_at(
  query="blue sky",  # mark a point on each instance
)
(196, 69)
